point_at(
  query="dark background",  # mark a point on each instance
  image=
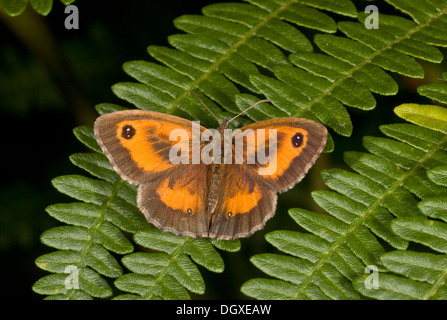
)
(51, 79)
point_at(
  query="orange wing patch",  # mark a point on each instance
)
(244, 204)
(178, 197)
(273, 158)
(177, 201)
(299, 142)
(242, 201)
(147, 144)
(290, 143)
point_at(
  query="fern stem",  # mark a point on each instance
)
(437, 285)
(370, 211)
(93, 229)
(149, 295)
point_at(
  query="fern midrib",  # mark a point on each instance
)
(361, 220)
(367, 61)
(436, 285)
(94, 228)
(231, 50)
(160, 275)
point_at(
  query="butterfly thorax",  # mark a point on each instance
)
(216, 173)
(223, 125)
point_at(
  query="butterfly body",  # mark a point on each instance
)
(229, 195)
(216, 176)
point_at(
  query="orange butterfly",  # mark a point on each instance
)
(224, 199)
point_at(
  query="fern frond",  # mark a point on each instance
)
(95, 227)
(419, 275)
(362, 206)
(357, 61)
(222, 49)
(435, 91)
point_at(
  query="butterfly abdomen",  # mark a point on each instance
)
(216, 174)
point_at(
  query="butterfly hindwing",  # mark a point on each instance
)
(177, 202)
(243, 204)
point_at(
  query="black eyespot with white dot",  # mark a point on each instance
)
(189, 211)
(229, 214)
(297, 140)
(128, 132)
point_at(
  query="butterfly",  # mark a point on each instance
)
(229, 195)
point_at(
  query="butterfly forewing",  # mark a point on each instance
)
(298, 144)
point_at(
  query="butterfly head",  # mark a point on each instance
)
(224, 123)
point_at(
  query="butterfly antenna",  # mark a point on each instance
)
(198, 98)
(253, 105)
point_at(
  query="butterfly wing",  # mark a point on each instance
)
(243, 204)
(247, 196)
(291, 147)
(137, 143)
(177, 202)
